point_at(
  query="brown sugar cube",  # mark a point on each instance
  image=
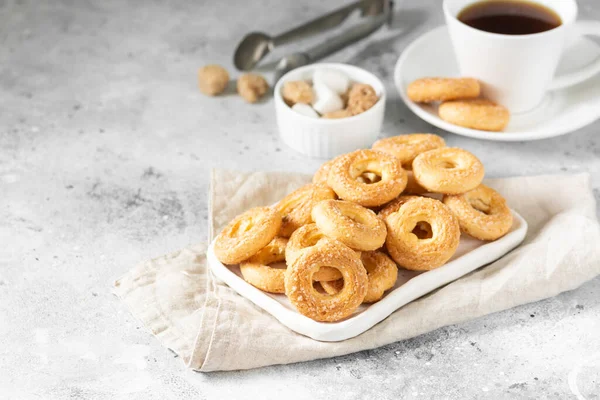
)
(345, 113)
(297, 92)
(361, 97)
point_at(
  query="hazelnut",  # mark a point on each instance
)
(361, 98)
(252, 87)
(212, 79)
(345, 113)
(297, 92)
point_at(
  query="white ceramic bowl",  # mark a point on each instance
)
(327, 138)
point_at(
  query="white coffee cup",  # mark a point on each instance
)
(517, 70)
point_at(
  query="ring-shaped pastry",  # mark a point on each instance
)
(357, 227)
(394, 206)
(332, 287)
(382, 273)
(412, 186)
(422, 235)
(345, 171)
(448, 170)
(319, 306)
(427, 90)
(323, 172)
(481, 212)
(258, 272)
(296, 207)
(478, 114)
(406, 147)
(246, 234)
(305, 238)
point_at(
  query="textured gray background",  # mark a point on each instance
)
(105, 148)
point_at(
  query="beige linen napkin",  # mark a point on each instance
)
(212, 328)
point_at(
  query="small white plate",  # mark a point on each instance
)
(411, 285)
(562, 111)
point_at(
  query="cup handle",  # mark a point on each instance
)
(581, 28)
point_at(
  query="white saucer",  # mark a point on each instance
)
(562, 111)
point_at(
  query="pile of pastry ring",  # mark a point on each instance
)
(342, 237)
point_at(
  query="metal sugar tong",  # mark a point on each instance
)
(256, 45)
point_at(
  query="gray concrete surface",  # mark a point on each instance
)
(105, 148)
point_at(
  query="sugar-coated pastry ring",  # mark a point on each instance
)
(246, 234)
(332, 287)
(295, 208)
(368, 177)
(306, 237)
(448, 170)
(412, 186)
(347, 168)
(319, 306)
(413, 253)
(427, 90)
(357, 227)
(382, 274)
(258, 272)
(481, 212)
(323, 172)
(327, 274)
(407, 147)
(302, 238)
(394, 205)
(478, 114)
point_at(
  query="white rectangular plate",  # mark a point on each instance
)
(411, 285)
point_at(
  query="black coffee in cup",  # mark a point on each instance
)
(510, 17)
